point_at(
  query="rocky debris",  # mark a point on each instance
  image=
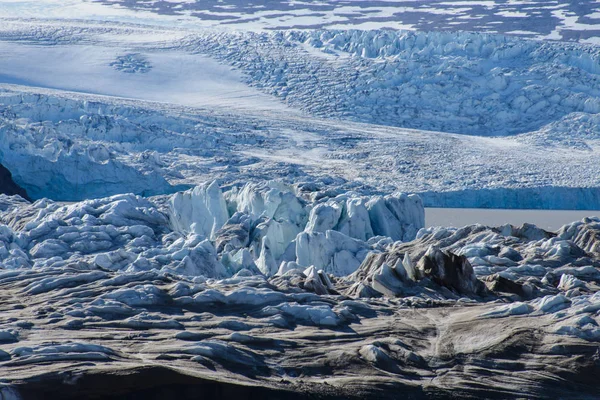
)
(585, 234)
(499, 284)
(392, 273)
(248, 332)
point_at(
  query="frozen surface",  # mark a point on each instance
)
(458, 82)
(104, 289)
(195, 234)
(79, 146)
(157, 75)
(221, 210)
(545, 219)
(299, 107)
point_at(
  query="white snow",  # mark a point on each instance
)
(559, 20)
(164, 76)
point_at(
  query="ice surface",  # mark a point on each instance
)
(469, 290)
(564, 20)
(129, 264)
(128, 232)
(291, 257)
(450, 82)
(202, 211)
(81, 145)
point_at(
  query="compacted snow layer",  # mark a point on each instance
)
(161, 75)
(201, 285)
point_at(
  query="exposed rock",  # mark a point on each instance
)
(499, 284)
(450, 271)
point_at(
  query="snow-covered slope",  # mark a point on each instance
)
(155, 74)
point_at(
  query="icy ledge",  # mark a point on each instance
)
(258, 229)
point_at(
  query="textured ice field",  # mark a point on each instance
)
(275, 291)
(92, 110)
(227, 212)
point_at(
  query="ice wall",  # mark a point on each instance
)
(262, 226)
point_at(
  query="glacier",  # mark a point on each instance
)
(273, 125)
(469, 83)
(214, 199)
(192, 233)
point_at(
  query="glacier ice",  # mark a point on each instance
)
(443, 81)
(201, 210)
(199, 232)
(222, 297)
(300, 259)
(127, 145)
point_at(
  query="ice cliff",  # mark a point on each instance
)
(205, 232)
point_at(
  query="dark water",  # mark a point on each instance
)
(545, 219)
